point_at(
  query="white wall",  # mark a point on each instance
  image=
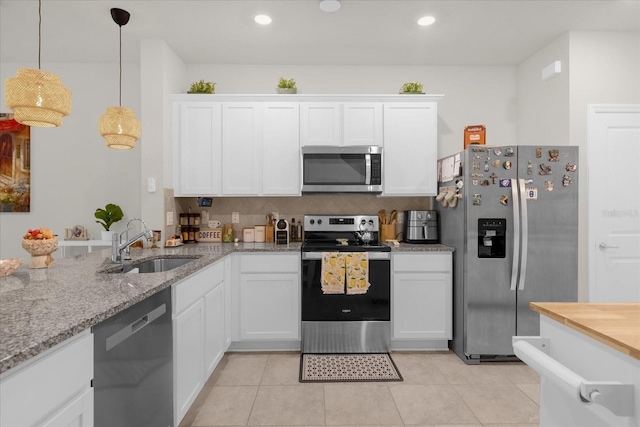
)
(472, 95)
(597, 68)
(72, 171)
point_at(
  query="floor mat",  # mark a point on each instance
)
(348, 368)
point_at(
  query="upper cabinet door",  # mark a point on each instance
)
(241, 148)
(362, 123)
(197, 148)
(320, 123)
(281, 152)
(410, 149)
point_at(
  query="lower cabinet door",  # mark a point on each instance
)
(422, 306)
(214, 327)
(269, 306)
(188, 357)
(78, 413)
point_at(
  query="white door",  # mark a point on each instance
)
(281, 153)
(362, 123)
(614, 203)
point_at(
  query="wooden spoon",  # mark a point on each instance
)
(394, 216)
(382, 216)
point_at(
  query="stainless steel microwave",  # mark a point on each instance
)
(348, 169)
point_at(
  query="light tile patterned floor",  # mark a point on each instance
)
(262, 389)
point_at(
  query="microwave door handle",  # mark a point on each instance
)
(367, 177)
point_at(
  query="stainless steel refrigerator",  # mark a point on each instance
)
(512, 216)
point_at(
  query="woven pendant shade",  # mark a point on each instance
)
(119, 127)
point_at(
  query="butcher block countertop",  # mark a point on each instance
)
(615, 324)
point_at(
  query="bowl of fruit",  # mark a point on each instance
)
(40, 243)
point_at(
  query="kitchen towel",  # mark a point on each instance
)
(345, 268)
(332, 273)
(357, 272)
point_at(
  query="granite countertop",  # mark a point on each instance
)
(40, 308)
(615, 324)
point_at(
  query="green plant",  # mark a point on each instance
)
(412, 87)
(107, 216)
(202, 87)
(286, 84)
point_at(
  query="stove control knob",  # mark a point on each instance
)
(313, 221)
(319, 221)
(363, 222)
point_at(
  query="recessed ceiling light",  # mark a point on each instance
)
(262, 19)
(329, 5)
(425, 21)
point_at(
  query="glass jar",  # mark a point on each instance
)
(184, 219)
(228, 235)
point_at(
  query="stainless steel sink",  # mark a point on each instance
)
(156, 265)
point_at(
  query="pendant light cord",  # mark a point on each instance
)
(39, 30)
(120, 97)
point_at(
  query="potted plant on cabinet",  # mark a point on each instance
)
(286, 86)
(202, 87)
(106, 217)
(412, 88)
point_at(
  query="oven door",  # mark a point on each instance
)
(372, 306)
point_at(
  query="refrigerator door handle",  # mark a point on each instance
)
(525, 234)
(516, 234)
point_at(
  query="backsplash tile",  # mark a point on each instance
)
(253, 210)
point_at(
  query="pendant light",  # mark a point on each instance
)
(119, 125)
(37, 97)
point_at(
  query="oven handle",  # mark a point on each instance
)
(373, 256)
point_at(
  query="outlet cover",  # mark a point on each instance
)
(276, 215)
(169, 218)
(235, 217)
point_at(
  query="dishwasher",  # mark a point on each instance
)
(133, 373)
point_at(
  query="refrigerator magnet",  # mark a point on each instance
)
(504, 183)
(531, 193)
(548, 185)
(508, 152)
(493, 177)
(529, 168)
(553, 155)
(570, 167)
(507, 165)
(477, 199)
(538, 152)
(497, 151)
(496, 163)
(474, 181)
(484, 182)
(475, 166)
(566, 181)
(545, 170)
(504, 200)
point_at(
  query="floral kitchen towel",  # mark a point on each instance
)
(333, 272)
(357, 272)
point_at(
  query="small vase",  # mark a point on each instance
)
(40, 251)
(107, 235)
(290, 91)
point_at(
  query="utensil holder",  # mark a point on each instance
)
(387, 232)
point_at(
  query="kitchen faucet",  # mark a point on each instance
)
(117, 247)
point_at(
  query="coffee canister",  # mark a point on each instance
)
(248, 235)
(259, 233)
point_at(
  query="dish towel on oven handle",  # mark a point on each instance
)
(345, 268)
(357, 272)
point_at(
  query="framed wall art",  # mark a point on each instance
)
(15, 165)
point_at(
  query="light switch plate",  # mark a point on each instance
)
(169, 218)
(235, 217)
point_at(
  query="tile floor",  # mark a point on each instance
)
(262, 389)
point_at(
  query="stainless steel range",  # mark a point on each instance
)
(346, 285)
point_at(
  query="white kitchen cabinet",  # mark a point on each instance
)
(362, 123)
(347, 123)
(269, 297)
(410, 149)
(197, 148)
(188, 358)
(241, 148)
(53, 388)
(281, 149)
(422, 296)
(320, 123)
(198, 331)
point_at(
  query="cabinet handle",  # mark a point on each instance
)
(604, 246)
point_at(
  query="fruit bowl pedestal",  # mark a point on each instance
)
(40, 251)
